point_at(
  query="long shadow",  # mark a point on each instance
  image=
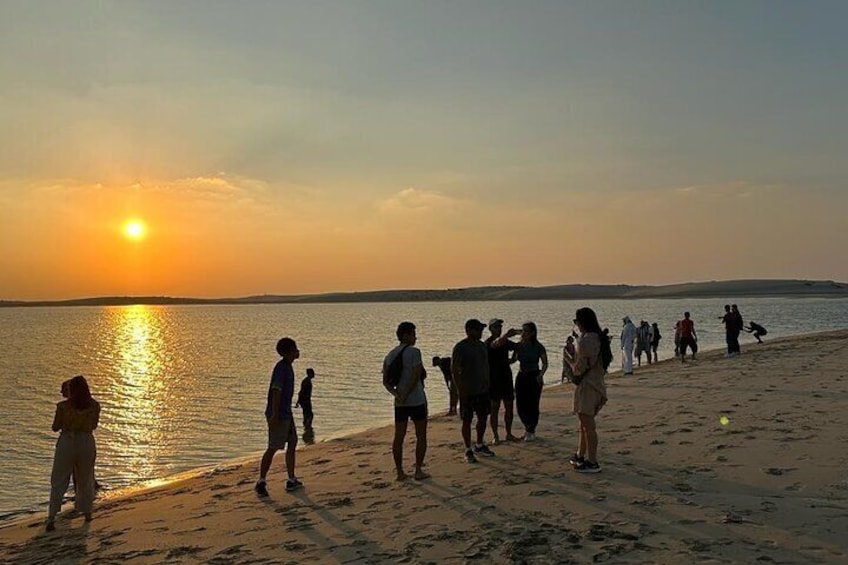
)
(354, 539)
(64, 545)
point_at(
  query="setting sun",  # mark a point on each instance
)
(135, 229)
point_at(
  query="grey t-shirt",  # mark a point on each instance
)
(411, 359)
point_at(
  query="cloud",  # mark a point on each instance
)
(416, 201)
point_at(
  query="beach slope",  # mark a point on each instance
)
(725, 460)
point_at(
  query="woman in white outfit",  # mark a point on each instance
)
(76, 418)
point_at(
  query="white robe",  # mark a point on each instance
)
(628, 337)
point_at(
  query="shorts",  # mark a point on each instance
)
(688, 342)
(501, 388)
(414, 413)
(281, 432)
(479, 404)
(588, 400)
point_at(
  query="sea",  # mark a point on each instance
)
(184, 387)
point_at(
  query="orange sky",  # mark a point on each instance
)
(318, 147)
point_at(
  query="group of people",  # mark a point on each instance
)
(478, 375)
(644, 338)
(479, 379)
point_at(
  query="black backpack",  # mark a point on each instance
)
(393, 372)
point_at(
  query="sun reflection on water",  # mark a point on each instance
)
(139, 386)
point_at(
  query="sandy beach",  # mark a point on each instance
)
(768, 484)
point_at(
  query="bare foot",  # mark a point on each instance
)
(421, 475)
(401, 476)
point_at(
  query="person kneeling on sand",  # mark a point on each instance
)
(758, 330)
(470, 366)
(410, 399)
(278, 413)
(586, 365)
(76, 418)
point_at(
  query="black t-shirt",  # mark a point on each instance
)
(499, 357)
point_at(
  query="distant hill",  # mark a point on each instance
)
(712, 289)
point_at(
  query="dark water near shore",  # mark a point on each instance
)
(184, 386)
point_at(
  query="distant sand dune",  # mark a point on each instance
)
(714, 289)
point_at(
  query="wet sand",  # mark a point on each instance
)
(678, 485)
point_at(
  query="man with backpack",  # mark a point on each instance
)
(403, 377)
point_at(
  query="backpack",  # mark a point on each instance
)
(392, 374)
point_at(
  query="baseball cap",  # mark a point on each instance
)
(474, 323)
(495, 321)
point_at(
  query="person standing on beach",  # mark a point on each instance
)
(688, 337)
(644, 335)
(470, 368)
(444, 365)
(727, 320)
(65, 390)
(628, 337)
(278, 414)
(655, 340)
(75, 418)
(501, 388)
(410, 400)
(586, 364)
(738, 324)
(304, 399)
(530, 380)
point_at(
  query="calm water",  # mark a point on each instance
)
(184, 386)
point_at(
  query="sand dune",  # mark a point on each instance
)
(677, 485)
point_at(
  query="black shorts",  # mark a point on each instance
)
(479, 404)
(414, 413)
(501, 388)
(688, 342)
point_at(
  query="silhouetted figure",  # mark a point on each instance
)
(470, 367)
(737, 325)
(727, 320)
(644, 335)
(530, 379)
(65, 392)
(758, 330)
(410, 400)
(501, 387)
(76, 418)
(282, 432)
(688, 337)
(655, 340)
(304, 398)
(444, 365)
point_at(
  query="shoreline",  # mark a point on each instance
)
(677, 485)
(14, 517)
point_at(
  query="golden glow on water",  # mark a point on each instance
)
(139, 370)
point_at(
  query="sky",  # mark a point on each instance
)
(318, 146)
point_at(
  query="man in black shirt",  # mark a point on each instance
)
(501, 387)
(444, 364)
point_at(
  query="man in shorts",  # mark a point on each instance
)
(501, 387)
(410, 399)
(278, 414)
(688, 337)
(470, 368)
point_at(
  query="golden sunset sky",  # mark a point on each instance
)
(305, 147)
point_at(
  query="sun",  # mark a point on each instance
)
(135, 230)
